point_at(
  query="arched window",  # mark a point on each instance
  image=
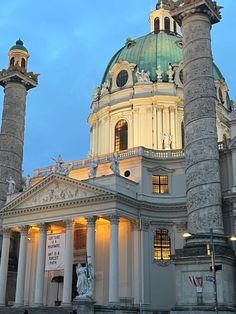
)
(175, 27)
(121, 135)
(156, 25)
(182, 134)
(162, 245)
(12, 61)
(167, 24)
(23, 63)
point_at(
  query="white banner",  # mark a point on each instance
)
(55, 251)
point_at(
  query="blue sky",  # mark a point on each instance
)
(70, 43)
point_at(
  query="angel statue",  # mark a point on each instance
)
(85, 279)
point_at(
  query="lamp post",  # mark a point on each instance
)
(213, 264)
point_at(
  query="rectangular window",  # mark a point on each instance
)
(162, 245)
(160, 184)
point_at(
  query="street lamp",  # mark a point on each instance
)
(213, 265)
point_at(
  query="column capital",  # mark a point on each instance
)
(6, 231)
(43, 227)
(183, 8)
(91, 221)
(114, 219)
(69, 223)
(24, 230)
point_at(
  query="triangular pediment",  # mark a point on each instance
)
(55, 189)
(160, 170)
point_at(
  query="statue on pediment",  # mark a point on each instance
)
(115, 165)
(11, 186)
(93, 169)
(58, 168)
(27, 183)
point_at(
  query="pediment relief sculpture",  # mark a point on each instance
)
(54, 189)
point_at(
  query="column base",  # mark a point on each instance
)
(37, 305)
(201, 310)
(18, 305)
(84, 305)
(69, 304)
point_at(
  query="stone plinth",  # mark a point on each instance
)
(84, 305)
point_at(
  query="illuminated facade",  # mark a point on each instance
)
(129, 225)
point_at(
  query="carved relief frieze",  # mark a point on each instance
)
(201, 150)
(197, 89)
(195, 69)
(202, 196)
(204, 220)
(199, 129)
(57, 192)
(205, 172)
(198, 109)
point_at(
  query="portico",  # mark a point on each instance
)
(89, 231)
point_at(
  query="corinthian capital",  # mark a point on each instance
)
(114, 219)
(91, 221)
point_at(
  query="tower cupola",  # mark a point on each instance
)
(18, 55)
(161, 20)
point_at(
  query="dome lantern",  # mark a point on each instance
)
(18, 55)
(161, 20)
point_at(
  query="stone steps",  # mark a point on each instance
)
(48, 310)
(61, 310)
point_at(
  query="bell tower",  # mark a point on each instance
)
(16, 81)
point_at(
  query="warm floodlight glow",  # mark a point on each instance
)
(233, 238)
(187, 234)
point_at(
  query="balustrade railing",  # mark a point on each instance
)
(133, 152)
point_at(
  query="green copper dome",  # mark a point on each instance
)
(19, 45)
(150, 51)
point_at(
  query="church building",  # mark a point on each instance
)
(146, 185)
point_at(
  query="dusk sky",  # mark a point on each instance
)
(70, 43)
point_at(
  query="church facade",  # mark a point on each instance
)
(124, 207)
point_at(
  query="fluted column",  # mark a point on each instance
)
(114, 260)
(68, 267)
(20, 282)
(201, 150)
(4, 265)
(40, 269)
